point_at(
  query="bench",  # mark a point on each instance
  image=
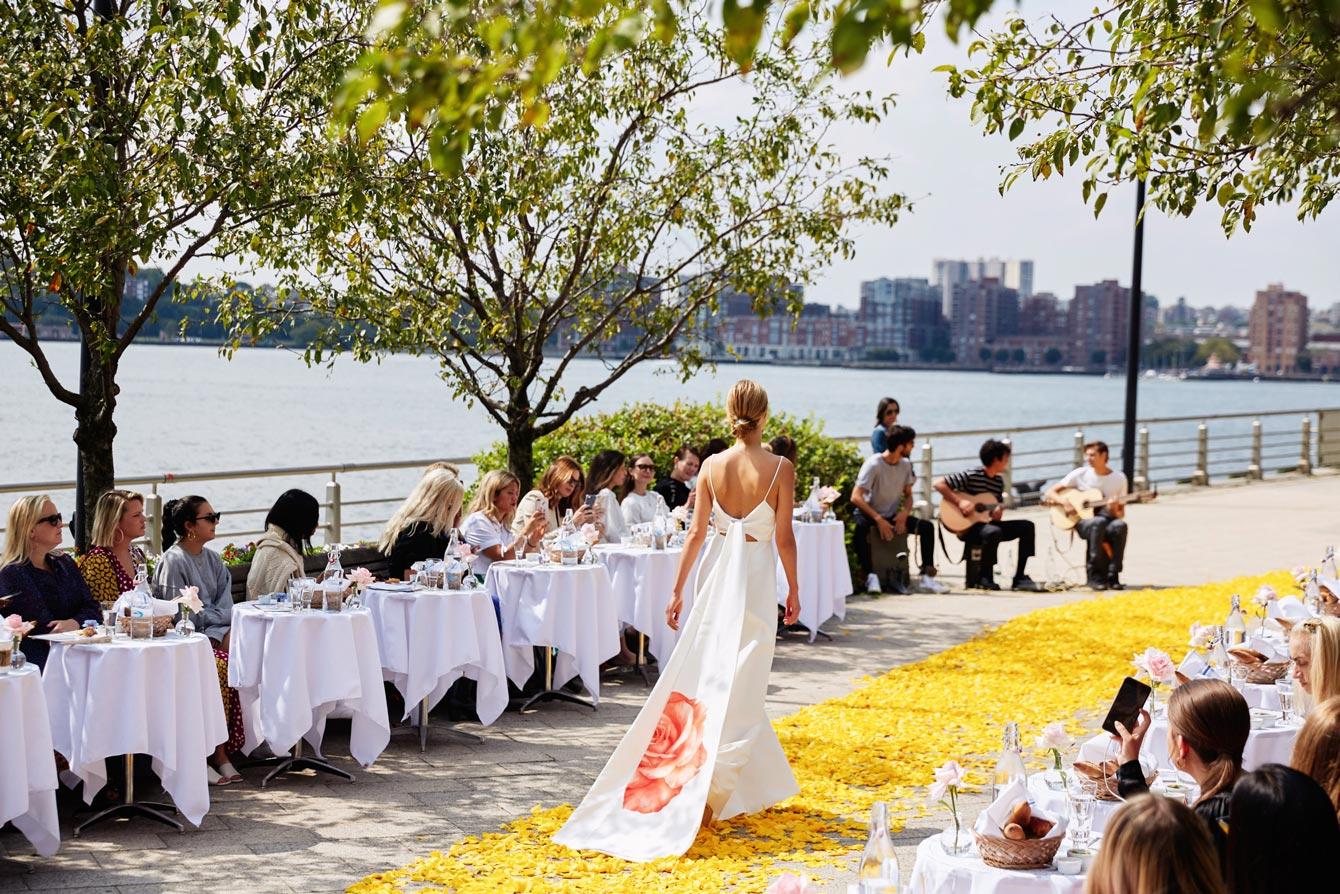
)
(358, 557)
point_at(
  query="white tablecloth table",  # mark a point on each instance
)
(28, 783)
(643, 580)
(292, 669)
(1264, 746)
(936, 872)
(823, 579)
(158, 697)
(429, 639)
(570, 608)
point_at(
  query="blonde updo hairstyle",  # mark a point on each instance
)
(746, 408)
(1321, 638)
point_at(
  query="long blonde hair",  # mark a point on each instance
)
(1316, 751)
(23, 516)
(1155, 844)
(486, 498)
(435, 501)
(107, 515)
(1324, 649)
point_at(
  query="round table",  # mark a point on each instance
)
(823, 578)
(28, 783)
(429, 639)
(936, 872)
(570, 608)
(643, 580)
(158, 697)
(292, 669)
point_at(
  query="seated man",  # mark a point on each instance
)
(1106, 531)
(883, 497)
(986, 479)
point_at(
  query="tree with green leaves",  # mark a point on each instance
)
(1216, 346)
(135, 131)
(613, 231)
(1225, 101)
(445, 67)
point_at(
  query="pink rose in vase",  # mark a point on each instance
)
(673, 756)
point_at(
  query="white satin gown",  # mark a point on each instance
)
(703, 736)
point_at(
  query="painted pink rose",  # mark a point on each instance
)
(673, 757)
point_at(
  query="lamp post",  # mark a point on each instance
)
(1133, 336)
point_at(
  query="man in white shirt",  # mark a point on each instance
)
(883, 500)
(1106, 531)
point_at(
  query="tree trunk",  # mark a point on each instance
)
(521, 453)
(94, 433)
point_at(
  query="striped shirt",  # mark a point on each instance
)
(975, 481)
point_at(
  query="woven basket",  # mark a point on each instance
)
(1267, 673)
(162, 624)
(1005, 853)
(1106, 789)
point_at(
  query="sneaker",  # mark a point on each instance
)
(896, 587)
(872, 583)
(1026, 584)
(931, 585)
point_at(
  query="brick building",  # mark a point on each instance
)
(1277, 333)
(1099, 324)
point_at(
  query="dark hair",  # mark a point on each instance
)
(784, 445)
(899, 435)
(296, 513)
(1100, 446)
(1283, 834)
(884, 405)
(711, 448)
(993, 450)
(176, 513)
(685, 450)
(603, 466)
(1212, 718)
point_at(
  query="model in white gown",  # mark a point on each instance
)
(703, 738)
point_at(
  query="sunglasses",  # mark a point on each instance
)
(643, 467)
(212, 518)
(53, 520)
(892, 411)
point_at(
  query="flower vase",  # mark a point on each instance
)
(185, 627)
(955, 841)
(1155, 702)
(1055, 777)
(17, 660)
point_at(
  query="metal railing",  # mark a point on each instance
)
(1191, 450)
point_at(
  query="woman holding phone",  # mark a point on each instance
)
(562, 487)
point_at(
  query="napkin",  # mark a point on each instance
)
(161, 606)
(1290, 608)
(1266, 648)
(1194, 666)
(992, 820)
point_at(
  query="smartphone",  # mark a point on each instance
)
(590, 500)
(1131, 697)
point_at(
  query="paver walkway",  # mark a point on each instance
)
(305, 834)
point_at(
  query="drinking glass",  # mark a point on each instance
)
(1237, 673)
(307, 591)
(1081, 816)
(6, 653)
(1284, 690)
(295, 594)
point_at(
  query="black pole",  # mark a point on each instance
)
(1133, 337)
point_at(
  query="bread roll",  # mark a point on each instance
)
(1014, 832)
(1039, 827)
(1247, 656)
(1088, 770)
(1020, 814)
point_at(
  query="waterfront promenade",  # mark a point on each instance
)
(317, 834)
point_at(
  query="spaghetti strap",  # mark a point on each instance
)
(775, 473)
(710, 485)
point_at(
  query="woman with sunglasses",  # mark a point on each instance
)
(48, 589)
(188, 524)
(642, 504)
(886, 414)
(560, 488)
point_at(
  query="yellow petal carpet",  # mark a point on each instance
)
(881, 742)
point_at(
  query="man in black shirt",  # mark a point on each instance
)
(675, 489)
(986, 479)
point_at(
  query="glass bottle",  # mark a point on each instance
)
(1235, 628)
(812, 507)
(1010, 764)
(334, 570)
(1312, 594)
(879, 844)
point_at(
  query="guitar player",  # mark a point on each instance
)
(961, 487)
(1108, 525)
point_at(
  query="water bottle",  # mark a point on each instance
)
(569, 529)
(453, 544)
(878, 846)
(140, 608)
(813, 511)
(1312, 594)
(1235, 628)
(1010, 764)
(334, 570)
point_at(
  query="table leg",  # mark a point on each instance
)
(549, 693)
(130, 807)
(642, 658)
(422, 729)
(298, 761)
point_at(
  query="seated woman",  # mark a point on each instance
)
(289, 527)
(113, 560)
(642, 504)
(488, 526)
(1155, 844)
(1208, 724)
(188, 524)
(1283, 834)
(421, 528)
(562, 487)
(48, 589)
(1316, 751)
(1314, 647)
(782, 445)
(609, 471)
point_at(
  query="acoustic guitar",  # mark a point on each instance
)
(1073, 506)
(956, 521)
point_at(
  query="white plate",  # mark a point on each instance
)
(71, 637)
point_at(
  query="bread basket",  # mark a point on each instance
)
(162, 624)
(1267, 673)
(1006, 853)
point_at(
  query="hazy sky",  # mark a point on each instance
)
(951, 171)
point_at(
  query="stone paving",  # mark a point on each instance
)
(310, 833)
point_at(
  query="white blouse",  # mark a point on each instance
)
(641, 509)
(481, 532)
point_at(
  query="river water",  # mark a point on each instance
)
(185, 409)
